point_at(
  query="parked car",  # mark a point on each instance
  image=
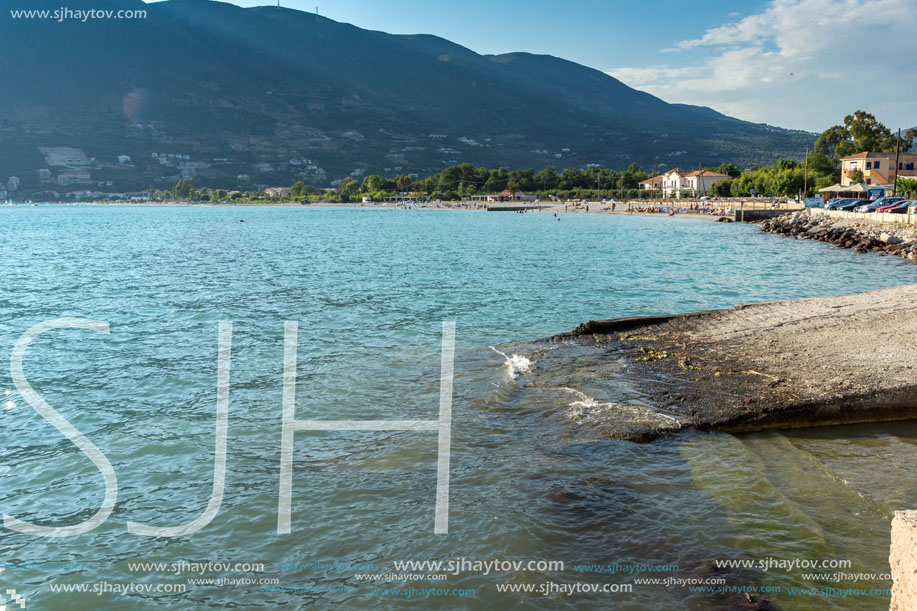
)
(837, 202)
(899, 208)
(879, 203)
(853, 203)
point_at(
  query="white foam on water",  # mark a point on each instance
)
(589, 410)
(514, 364)
(9, 405)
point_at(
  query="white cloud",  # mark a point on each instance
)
(798, 63)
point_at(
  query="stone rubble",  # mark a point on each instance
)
(886, 238)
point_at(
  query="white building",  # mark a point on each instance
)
(278, 191)
(13, 183)
(74, 177)
(681, 183)
(64, 157)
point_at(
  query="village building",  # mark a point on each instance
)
(411, 196)
(503, 196)
(279, 191)
(683, 183)
(877, 168)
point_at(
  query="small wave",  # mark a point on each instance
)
(515, 364)
(589, 410)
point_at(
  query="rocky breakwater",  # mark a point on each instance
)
(884, 238)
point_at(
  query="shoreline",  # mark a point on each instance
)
(776, 364)
(551, 208)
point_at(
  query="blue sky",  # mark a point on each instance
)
(592, 32)
(794, 63)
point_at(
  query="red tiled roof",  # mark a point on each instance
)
(873, 155)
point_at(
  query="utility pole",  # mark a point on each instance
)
(805, 177)
(897, 156)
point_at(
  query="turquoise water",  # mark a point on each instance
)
(532, 475)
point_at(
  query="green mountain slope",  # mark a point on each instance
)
(243, 92)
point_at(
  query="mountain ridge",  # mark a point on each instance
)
(246, 92)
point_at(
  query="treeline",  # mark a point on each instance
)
(453, 183)
(785, 178)
(463, 180)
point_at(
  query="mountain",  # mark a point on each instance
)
(270, 95)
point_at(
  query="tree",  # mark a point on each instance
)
(183, 189)
(857, 177)
(403, 182)
(861, 132)
(547, 179)
(827, 142)
(722, 188)
(348, 186)
(907, 185)
(729, 169)
(822, 164)
(372, 184)
(298, 189)
(867, 133)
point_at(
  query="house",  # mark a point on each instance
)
(700, 181)
(877, 168)
(278, 191)
(678, 182)
(652, 184)
(410, 196)
(504, 196)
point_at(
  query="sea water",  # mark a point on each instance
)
(534, 474)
